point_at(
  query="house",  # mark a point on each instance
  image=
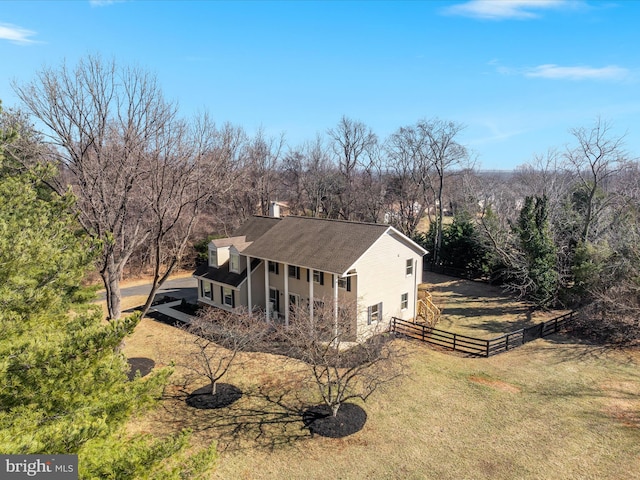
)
(278, 266)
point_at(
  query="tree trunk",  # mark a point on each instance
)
(334, 409)
(113, 296)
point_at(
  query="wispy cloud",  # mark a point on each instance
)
(610, 72)
(559, 72)
(15, 34)
(103, 3)
(505, 9)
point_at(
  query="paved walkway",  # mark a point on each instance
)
(165, 309)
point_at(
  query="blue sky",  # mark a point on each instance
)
(519, 74)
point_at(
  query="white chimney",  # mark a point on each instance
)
(274, 210)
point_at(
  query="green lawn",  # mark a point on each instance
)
(553, 408)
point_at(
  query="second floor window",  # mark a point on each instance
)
(234, 263)
(294, 272)
(273, 267)
(409, 267)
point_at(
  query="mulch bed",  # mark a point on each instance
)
(225, 395)
(140, 364)
(349, 420)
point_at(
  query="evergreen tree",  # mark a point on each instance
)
(539, 251)
(63, 382)
(463, 248)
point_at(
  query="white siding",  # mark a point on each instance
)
(382, 279)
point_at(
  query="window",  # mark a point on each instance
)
(409, 267)
(206, 290)
(213, 257)
(273, 267)
(404, 301)
(344, 283)
(374, 313)
(294, 272)
(234, 263)
(318, 277)
(228, 297)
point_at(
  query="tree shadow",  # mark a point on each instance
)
(579, 349)
(264, 418)
(502, 327)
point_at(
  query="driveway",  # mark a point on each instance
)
(186, 287)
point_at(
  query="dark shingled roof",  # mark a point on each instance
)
(327, 245)
(256, 227)
(222, 274)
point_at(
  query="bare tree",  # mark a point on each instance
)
(320, 181)
(371, 188)
(218, 337)
(103, 120)
(598, 156)
(292, 179)
(408, 189)
(445, 154)
(341, 370)
(256, 185)
(352, 144)
(181, 172)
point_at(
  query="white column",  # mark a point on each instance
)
(249, 302)
(335, 307)
(311, 294)
(286, 295)
(415, 289)
(266, 290)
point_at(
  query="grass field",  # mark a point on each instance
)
(480, 310)
(552, 409)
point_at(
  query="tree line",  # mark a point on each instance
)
(558, 230)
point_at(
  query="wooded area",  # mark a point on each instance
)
(560, 230)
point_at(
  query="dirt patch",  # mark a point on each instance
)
(497, 384)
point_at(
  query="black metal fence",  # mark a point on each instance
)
(479, 346)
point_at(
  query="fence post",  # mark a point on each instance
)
(454, 341)
(488, 348)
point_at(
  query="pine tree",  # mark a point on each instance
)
(539, 251)
(63, 382)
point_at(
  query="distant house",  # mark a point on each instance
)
(277, 266)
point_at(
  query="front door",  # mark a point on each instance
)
(274, 299)
(294, 302)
